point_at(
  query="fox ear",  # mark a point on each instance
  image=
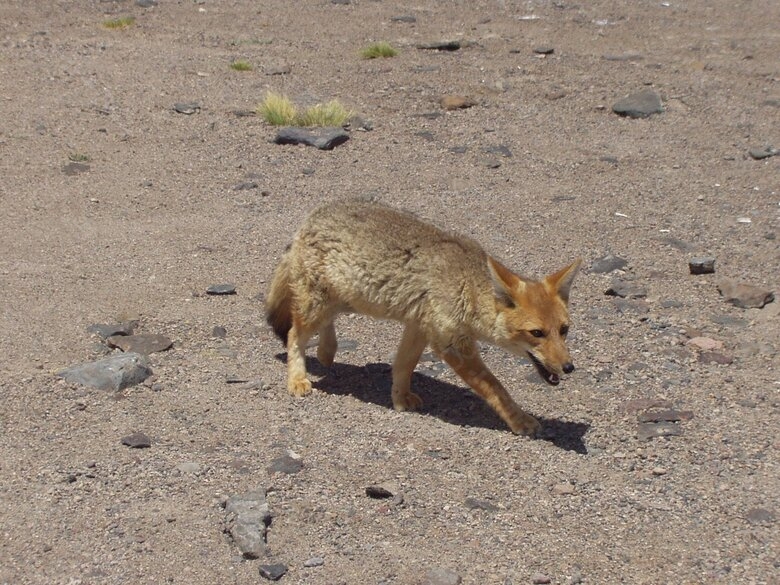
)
(505, 282)
(561, 281)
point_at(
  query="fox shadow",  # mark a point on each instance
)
(450, 403)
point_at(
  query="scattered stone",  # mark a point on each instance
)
(245, 186)
(137, 441)
(221, 289)
(745, 296)
(313, 562)
(187, 108)
(493, 163)
(143, 343)
(456, 102)
(544, 50)
(669, 415)
(644, 403)
(556, 93)
(445, 45)
(703, 265)
(500, 150)
(104, 331)
(761, 153)
(608, 263)
(361, 123)
(378, 492)
(405, 18)
(273, 572)
(628, 56)
(146, 3)
(715, 357)
(247, 521)
(322, 138)
(113, 373)
(477, 504)
(760, 516)
(285, 464)
(647, 431)
(540, 579)
(439, 576)
(706, 343)
(278, 70)
(625, 290)
(564, 489)
(639, 105)
(74, 168)
(219, 332)
(189, 467)
(659, 471)
(244, 113)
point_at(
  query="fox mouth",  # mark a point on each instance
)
(551, 378)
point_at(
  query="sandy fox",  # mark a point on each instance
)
(364, 257)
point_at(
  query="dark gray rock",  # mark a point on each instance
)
(273, 572)
(246, 185)
(322, 138)
(639, 105)
(501, 150)
(745, 296)
(221, 289)
(702, 265)
(378, 492)
(625, 290)
(146, 3)
(74, 168)
(219, 332)
(143, 343)
(477, 504)
(444, 45)
(285, 464)
(137, 441)
(649, 430)
(104, 331)
(187, 108)
(112, 373)
(761, 153)
(544, 50)
(247, 521)
(608, 263)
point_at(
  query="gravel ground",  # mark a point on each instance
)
(117, 208)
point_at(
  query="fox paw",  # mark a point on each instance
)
(406, 401)
(523, 424)
(299, 387)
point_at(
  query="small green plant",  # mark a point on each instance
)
(331, 114)
(78, 157)
(121, 22)
(382, 49)
(241, 65)
(278, 110)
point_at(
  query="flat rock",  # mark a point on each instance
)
(273, 572)
(137, 441)
(642, 104)
(444, 45)
(760, 516)
(667, 415)
(112, 373)
(703, 265)
(322, 138)
(625, 290)
(608, 263)
(706, 343)
(143, 343)
(564, 489)
(761, 153)
(221, 289)
(650, 430)
(477, 504)
(104, 331)
(716, 357)
(439, 576)
(313, 562)
(544, 50)
(405, 18)
(745, 296)
(277, 70)
(74, 168)
(540, 579)
(456, 102)
(285, 464)
(187, 108)
(627, 56)
(247, 521)
(379, 492)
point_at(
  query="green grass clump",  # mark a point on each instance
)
(241, 65)
(382, 49)
(121, 22)
(331, 114)
(78, 157)
(278, 110)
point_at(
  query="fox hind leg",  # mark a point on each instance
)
(413, 343)
(326, 349)
(297, 382)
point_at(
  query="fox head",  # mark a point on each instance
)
(533, 317)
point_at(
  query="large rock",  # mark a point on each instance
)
(639, 105)
(322, 138)
(112, 373)
(745, 296)
(247, 521)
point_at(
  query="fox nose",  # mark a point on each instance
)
(568, 368)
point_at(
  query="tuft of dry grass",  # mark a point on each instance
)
(241, 65)
(121, 22)
(278, 110)
(382, 49)
(331, 114)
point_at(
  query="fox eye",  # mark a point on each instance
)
(537, 332)
(564, 330)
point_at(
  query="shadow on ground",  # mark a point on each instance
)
(451, 403)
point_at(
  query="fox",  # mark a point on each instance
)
(366, 257)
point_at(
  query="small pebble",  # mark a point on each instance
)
(540, 579)
(314, 562)
(221, 289)
(704, 265)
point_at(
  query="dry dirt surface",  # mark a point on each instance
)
(117, 208)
